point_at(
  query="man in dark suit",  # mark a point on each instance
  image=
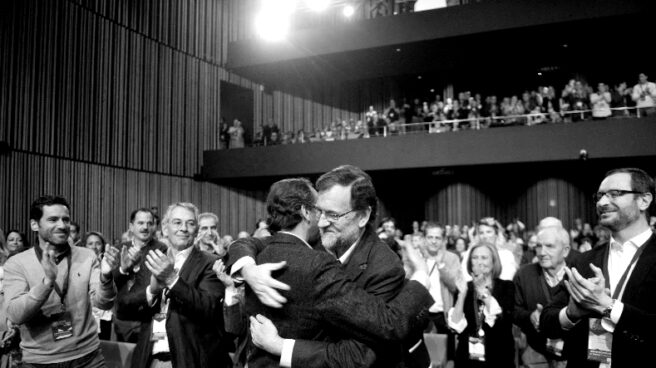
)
(178, 301)
(347, 204)
(133, 256)
(613, 284)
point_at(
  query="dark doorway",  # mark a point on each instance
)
(237, 103)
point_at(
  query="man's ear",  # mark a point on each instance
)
(645, 201)
(34, 225)
(364, 218)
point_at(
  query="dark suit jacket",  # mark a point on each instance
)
(634, 337)
(376, 268)
(325, 305)
(125, 282)
(499, 341)
(194, 322)
(531, 289)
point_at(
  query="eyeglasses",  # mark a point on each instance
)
(612, 194)
(332, 216)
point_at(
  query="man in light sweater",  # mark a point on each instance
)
(51, 288)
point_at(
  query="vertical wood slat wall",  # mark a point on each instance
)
(102, 197)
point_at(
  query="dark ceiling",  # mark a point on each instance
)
(530, 54)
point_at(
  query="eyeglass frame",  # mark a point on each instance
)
(613, 194)
(333, 216)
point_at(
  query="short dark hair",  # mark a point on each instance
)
(36, 209)
(133, 214)
(363, 193)
(640, 182)
(433, 225)
(284, 202)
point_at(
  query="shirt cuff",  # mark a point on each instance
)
(150, 297)
(286, 354)
(456, 326)
(565, 322)
(122, 272)
(421, 277)
(491, 315)
(239, 264)
(616, 312)
(172, 283)
(230, 297)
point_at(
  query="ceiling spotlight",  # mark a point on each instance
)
(432, 90)
(272, 28)
(348, 11)
(317, 5)
(539, 73)
(419, 77)
(398, 50)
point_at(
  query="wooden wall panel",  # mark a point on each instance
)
(102, 197)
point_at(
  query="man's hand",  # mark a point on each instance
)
(160, 266)
(590, 293)
(415, 260)
(265, 335)
(49, 265)
(110, 260)
(259, 279)
(535, 317)
(129, 257)
(219, 270)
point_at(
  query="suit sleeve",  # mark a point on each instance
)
(235, 319)
(246, 247)
(201, 303)
(133, 304)
(345, 353)
(365, 317)
(521, 314)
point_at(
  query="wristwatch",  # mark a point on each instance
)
(606, 312)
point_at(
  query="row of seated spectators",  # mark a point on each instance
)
(577, 101)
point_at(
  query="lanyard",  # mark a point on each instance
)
(620, 284)
(64, 290)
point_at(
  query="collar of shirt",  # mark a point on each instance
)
(180, 258)
(345, 257)
(553, 281)
(637, 241)
(301, 239)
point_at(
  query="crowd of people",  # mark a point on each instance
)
(577, 101)
(319, 284)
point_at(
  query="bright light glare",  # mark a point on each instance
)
(272, 22)
(348, 11)
(317, 5)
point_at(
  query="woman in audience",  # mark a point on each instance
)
(96, 242)
(461, 246)
(482, 315)
(16, 242)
